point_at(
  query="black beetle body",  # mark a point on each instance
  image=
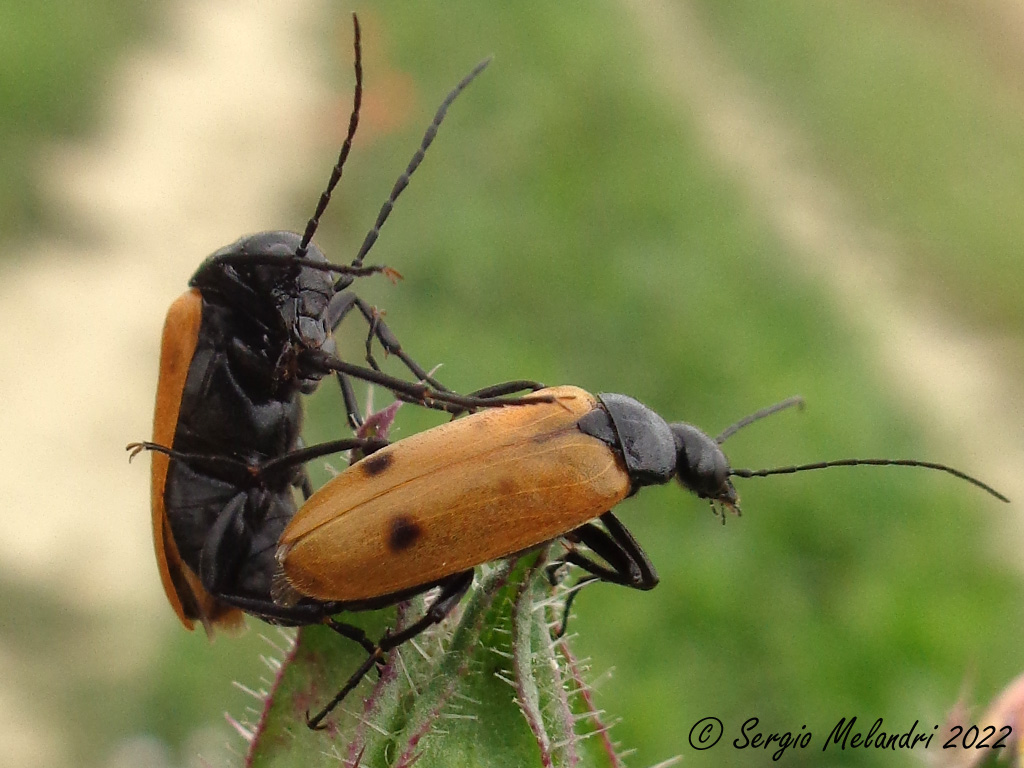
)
(269, 313)
(241, 400)
(250, 337)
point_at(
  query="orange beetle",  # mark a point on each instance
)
(425, 511)
(446, 500)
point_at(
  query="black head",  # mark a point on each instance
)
(701, 465)
(278, 305)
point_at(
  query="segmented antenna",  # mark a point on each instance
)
(250, 259)
(872, 462)
(403, 180)
(346, 147)
(758, 415)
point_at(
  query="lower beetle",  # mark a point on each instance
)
(426, 511)
(216, 552)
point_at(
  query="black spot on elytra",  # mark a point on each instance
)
(404, 532)
(377, 463)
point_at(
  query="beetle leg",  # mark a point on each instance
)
(277, 260)
(338, 308)
(375, 323)
(222, 549)
(299, 615)
(134, 449)
(304, 484)
(352, 633)
(301, 479)
(352, 410)
(574, 590)
(375, 658)
(286, 461)
(308, 453)
(507, 388)
(286, 615)
(622, 571)
(355, 418)
(499, 390)
(621, 535)
(344, 302)
(630, 565)
(453, 589)
(340, 305)
(391, 345)
(419, 393)
(455, 403)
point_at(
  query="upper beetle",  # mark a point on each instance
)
(425, 511)
(239, 348)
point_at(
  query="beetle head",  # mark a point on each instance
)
(701, 465)
(280, 307)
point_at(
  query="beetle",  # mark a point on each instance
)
(252, 335)
(268, 302)
(424, 512)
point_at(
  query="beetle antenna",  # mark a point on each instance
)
(403, 180)
(872, 462)
(346, 147)
(758, 415)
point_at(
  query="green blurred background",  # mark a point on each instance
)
(581, 219)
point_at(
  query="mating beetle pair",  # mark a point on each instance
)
(254, 334)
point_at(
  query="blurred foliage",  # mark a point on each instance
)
(55, 58)
(915, 107)
(566, 226)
